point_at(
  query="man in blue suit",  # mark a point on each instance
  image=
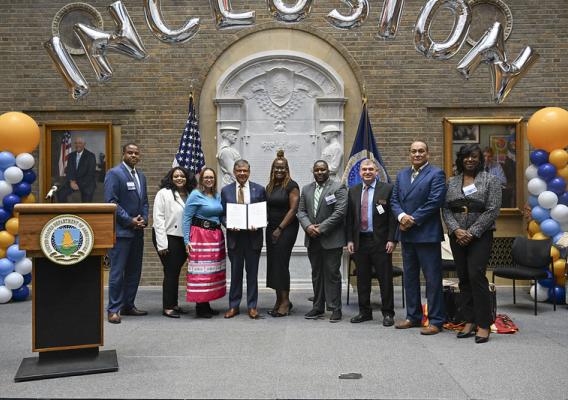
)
(125, 186)
(244, 246)
(417, 196)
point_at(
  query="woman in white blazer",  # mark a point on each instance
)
(167, 234)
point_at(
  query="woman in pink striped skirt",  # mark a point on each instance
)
(205, 245)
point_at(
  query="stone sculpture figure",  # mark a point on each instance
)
(227, 154)
(332, 153)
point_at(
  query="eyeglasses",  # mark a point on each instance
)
(208, 177)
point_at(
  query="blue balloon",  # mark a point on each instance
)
(557, 185)
(547, 171)
(563, 199)
(27, 278)
(7, 159)
(559, 292)
(539, 214)
(6, 266)
(557, 237)
(539, 157)
(10, 201)
(1, 175)
(29, 176)
(22, 189)
(14, 253)
(1, 280)
(533, 201)
(549, 227)
(548, 282)
(4, 215)
(21, 293)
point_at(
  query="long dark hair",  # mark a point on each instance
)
(465, 151)
(168, 180)
(272, 182)
(201, 186)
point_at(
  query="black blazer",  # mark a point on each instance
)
(85, 174)
(384, 225)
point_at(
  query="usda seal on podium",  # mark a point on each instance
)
(66, 239)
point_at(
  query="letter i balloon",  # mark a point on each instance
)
(19, 137)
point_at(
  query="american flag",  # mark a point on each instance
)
(189, 154)
(64, 152)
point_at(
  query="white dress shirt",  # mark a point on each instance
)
(246, 191)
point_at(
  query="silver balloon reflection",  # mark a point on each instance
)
(462, 21)
(225, 17)
(155, 21)
(66, 66)
(490, 49)
(124, 40)
(290, 14)
(390, 18)
(359, 13)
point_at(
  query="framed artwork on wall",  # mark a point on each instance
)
(499, 139)
(76, 161)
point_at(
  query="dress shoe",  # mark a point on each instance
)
(430, 330)
(133, 311)
(113, 318)
(212, 311)
(482, 339)
(313, 314)
(203, 314)
(361, 318)
(336, 316)
(171, 313)
(388, 320)
(232, 312)
(180, 310)
(466, 334)
(405, 324)
(253, 314)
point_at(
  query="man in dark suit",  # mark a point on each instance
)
(417, 196)
(80, 173)
(125, 186)
(321, 212)
(244, 246)
(371, 228)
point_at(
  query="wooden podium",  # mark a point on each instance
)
(67, 300)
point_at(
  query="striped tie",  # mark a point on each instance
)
(317, 195)
(415, 173)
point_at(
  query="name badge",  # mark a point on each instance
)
(380, 209)
(130, 186)
(330, 199)
(470, 189)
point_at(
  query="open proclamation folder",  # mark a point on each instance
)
(246, 216)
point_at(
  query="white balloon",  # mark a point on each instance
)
(25, 161)
(13, 175)
(559, 213)
(547, 199)
(531, 172)
(5, 189)
(13, 280)
(541, 292)
(536, 186)
(5, 294)
(24, 266)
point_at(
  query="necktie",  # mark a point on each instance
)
(317, 195)
(415, 173)
(135, 179)
(241, 195)
(364, 210)
(78, 159)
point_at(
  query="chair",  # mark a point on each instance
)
(531, 260)
(352, 271)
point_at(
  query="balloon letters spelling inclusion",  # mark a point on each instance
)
(156, 24)
(66, 66)
(390, 18)
(290, 14)
(226, 18)
(359, 13)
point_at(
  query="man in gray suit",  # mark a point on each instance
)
(322, 210)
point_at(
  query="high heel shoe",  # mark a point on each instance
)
(469, 333)
(482, 339)
(277, 314)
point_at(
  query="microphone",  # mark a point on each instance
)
(51, 192)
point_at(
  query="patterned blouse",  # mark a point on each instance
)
(487, 198)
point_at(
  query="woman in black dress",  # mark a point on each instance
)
(283, 195)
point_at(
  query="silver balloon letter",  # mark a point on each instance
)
(290, 14)
(359, 13)
(462, 21)
(226, 18)
(124, 40)
(155, 21)
(74, 79)
(490, 49)
(390, 18)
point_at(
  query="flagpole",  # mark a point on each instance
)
(366, 128)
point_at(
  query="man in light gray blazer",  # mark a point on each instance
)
(322, 210)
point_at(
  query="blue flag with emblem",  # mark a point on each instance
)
(364, 147)
(189, 154)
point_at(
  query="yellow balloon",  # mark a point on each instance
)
(30, 198)
(559, 269)
(563, 173)
(548, 129)
(559, 158)
(12, 225)
(554, 253)
(2, 253)
(534, 227)
(539, 236)
(19, 133)
(6, 239)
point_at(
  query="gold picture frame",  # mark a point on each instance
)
(505, 136)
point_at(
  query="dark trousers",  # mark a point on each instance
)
(125, 271)
(428, 257)
(471, 266)
(241, 257)
(65, 191)
(172, 263)
(373, 261)
(326, 276)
